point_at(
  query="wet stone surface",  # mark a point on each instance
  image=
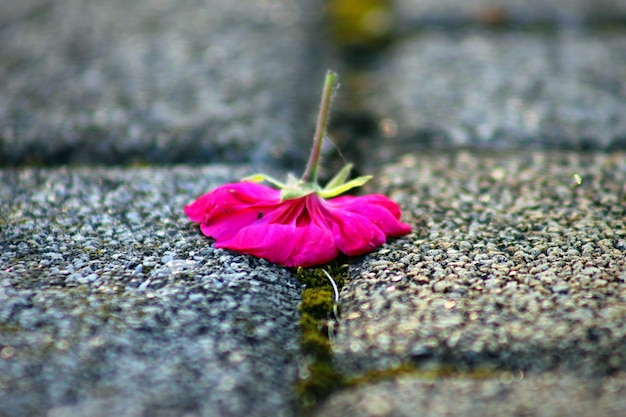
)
(112, 303)
(117, 82)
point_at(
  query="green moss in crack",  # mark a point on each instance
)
(317, 303)
(318, 381)
(409, 369)
(316, 278)
(314, 340)
(318, 377)
(382, 374)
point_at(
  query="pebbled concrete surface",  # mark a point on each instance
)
(546, 395)
(517, 264)
(119, 82)
(111, 303)
(518, 260)
(559, 12)
(498, 90)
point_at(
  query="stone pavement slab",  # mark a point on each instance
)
(546, 395)
(155, 81)
(499, 90)
(508, 298)
(563, 12)
(112, 303)
(517, 266)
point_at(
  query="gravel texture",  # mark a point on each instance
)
(112, 303)
(562, 12)
(155, 81)
(498, 90)
(516, 271)
(516, 262)
(546, 395)
(512, 285)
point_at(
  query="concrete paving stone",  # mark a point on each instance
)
(112, 303)
(115, 82)
(568, 12)
(547, 394)
(517, 262)
(509, 298)
(499, 90)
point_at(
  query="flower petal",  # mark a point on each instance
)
(251, 218)
(230, 198)
(289, 244)
(313, 245)
(273, 242)
(379, 209)
(227, 226)
(355, 234)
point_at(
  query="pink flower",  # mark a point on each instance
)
(250, 218)
(302, 224)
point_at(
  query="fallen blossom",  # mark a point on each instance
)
(251, 218)
(300, 223)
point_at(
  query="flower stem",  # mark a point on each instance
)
(310, 174)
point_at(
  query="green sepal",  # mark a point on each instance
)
(340, 178)
(334, 192)
(263, 177)
(295, 188)
(293, 181)
(298, 190)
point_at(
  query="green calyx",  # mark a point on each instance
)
(339, 184)
(297, 188)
